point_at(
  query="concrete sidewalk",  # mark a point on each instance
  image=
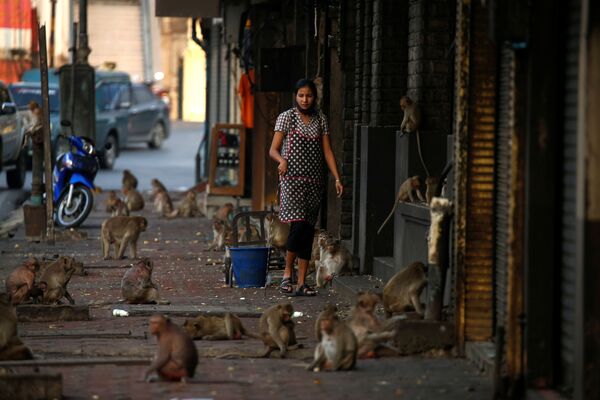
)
(187, 276)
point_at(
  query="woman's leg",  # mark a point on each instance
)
(290, 257)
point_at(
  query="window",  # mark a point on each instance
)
(141, 94)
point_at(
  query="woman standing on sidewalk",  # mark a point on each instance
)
(300, 144)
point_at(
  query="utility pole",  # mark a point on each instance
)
(47, 144)
(84, 50)
(52, 30)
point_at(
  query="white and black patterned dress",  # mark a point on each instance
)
(301, 188)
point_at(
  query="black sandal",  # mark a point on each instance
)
(286, 286)
(305, 290)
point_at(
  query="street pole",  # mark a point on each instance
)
(84, 50)
(46, 130)
(52, 30)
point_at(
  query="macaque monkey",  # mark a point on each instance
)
(405, 193)
(21, 281)
(221, 235)
(115, 205)
(319, 240)
(247, 236)
(411, 123)
(404, 289)
(163, 204)
(188, 207)
(11, 346)
(328, 311)
(225, 212)
(137, 286)
(337, 349)
(54, 280)
(228, 327)
(176, 358)
(277, 231)
(334, 260)
(78, 267)
(121, 231)
(157, 187)
(129, 179)
(133, 198)
(277, 328)
(365, 325)
(431, 184)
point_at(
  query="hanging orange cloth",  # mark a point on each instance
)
(246, 93)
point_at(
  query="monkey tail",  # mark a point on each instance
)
(421, 154)
(388, 217)
(172, 214)
(252, 335)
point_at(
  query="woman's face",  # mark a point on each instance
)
(305, 98)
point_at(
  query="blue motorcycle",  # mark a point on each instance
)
(73, 178)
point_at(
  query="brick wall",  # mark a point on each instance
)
(430, 59)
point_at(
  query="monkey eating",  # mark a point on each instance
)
(405, 193)
(129, 179)
(334, 260)
(163, 204)
(404, 289)
(366, 327)
(121, 231)
(228, 327)
(277, 329)
(115, 205)
(54, 280)
(137, 286)
(21, 281)
(11, 346)
(176, 358)
(133, 198)
(337, 349)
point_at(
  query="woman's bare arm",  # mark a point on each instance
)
(275, 152)
(332, 164)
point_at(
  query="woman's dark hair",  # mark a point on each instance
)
(313, 88)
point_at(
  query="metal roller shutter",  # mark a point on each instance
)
(115, 34)
(503, 167)
(568, 234)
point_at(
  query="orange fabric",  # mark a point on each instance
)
(247, 103)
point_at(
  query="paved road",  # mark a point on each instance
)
(173, 164)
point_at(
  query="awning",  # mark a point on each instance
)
(187, 8)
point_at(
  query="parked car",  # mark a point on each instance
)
(125, 113)
(11, 138)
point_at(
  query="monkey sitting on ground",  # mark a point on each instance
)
(228, 327)
(176, 358)
(115, 205)
(404, 289)
(225, 212)
(277, 329)
(221, 235)
(405, 193)
(157, 187)
(334, 260)
(21, 281)
(133, 198)
(121, 231)
(277, 231)
(137, 286)
(129, 179)
(11, 346)
(366, 327)
(163, 204)
(54, 280)
(188, 208)
(337, 349)
(328, 311)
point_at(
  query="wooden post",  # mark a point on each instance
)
(47, 144)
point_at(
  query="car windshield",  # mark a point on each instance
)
(23, 95)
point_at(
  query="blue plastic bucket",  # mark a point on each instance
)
(250, 266)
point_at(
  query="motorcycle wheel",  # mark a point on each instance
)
(82, 202)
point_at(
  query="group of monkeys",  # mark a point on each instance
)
(340, 342)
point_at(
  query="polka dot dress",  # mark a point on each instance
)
(301, 188)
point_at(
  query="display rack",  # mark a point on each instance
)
(227, 159)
